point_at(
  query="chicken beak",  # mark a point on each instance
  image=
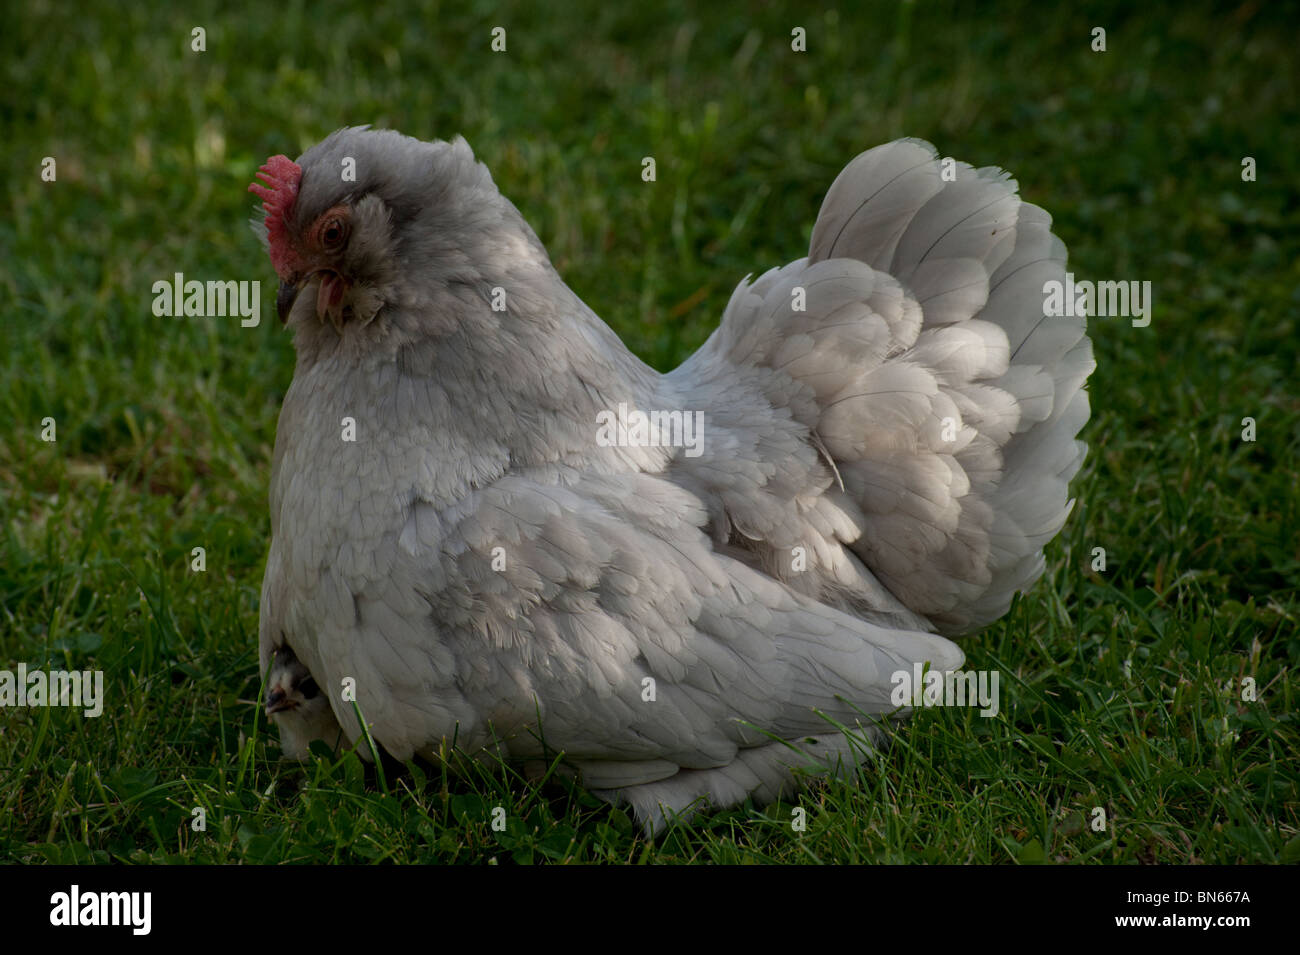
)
(329, 298)
(284, 300)
(276, 701)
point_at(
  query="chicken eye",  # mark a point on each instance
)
(308, 689)
(333, 233)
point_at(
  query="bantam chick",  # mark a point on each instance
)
(290, 689)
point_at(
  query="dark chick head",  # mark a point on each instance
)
(289, 685)
(368, 219)
(296, 704)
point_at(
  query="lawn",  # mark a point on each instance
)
(1157, 695)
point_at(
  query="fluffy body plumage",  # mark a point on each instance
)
(487, 572)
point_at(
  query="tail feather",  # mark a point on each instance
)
(942, 404)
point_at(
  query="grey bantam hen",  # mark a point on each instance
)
(463, 545)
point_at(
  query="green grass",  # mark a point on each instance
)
(1121, 689)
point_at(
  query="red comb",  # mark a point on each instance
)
(281, 175)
